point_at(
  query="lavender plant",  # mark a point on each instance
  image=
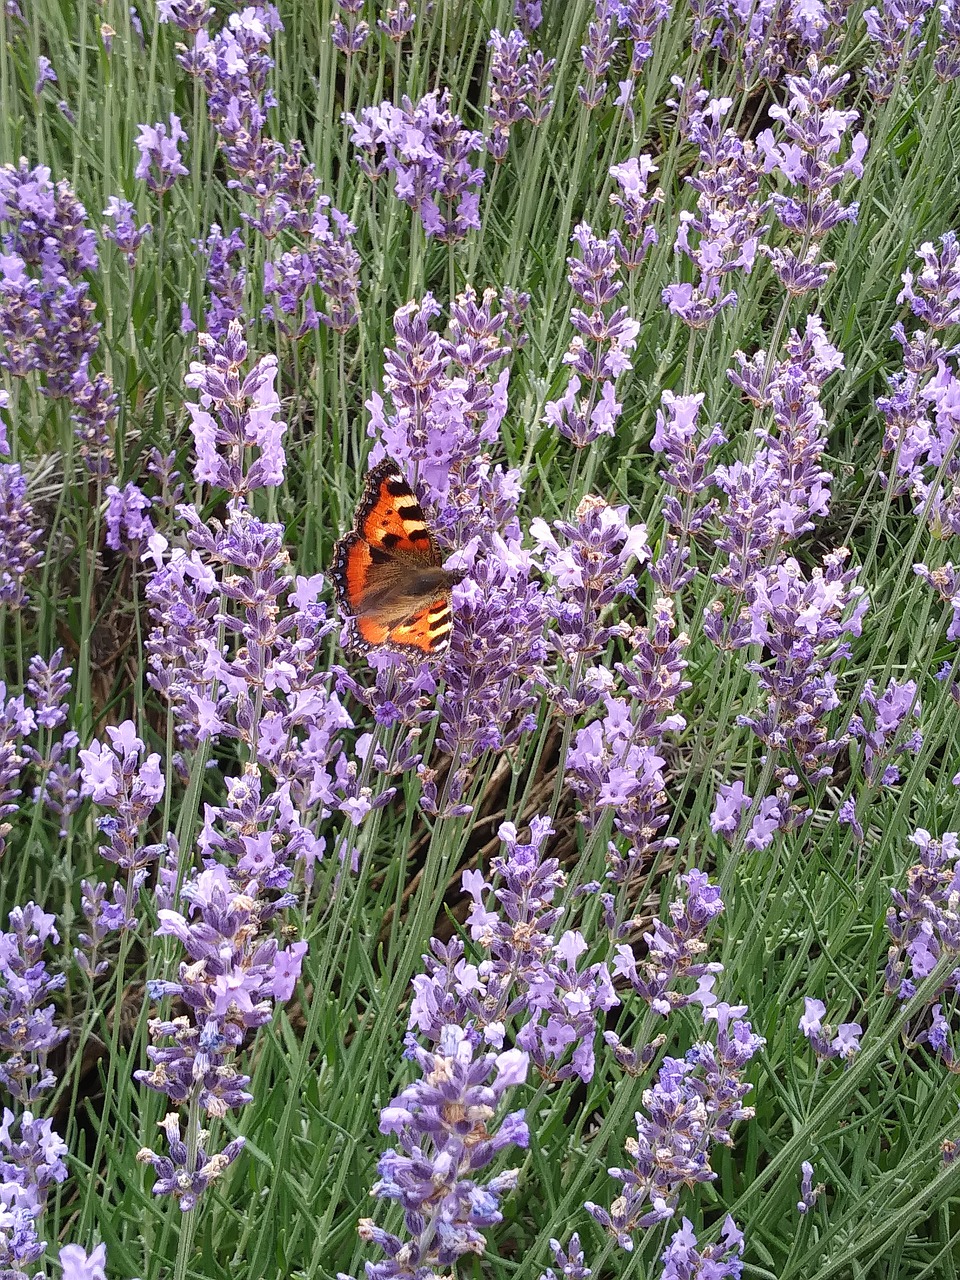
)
(621, 938)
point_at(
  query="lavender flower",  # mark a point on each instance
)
(125, 233)
(693, 1104)
(808, 1192)
(893, 29)
(519, 90)
(19, 553)
(888, 712)
(428, 150)
(46, 316)
(923, 927)
(45, 75)
(79, 1265)
(232, 974)
(946, 64)
(117, 778)
(727, 222)
(349, 31)
(599, 350)
(684, 1260)
(597, 55)
(28, 1031)
(398, 23)
(588, 569)
(160, 163)
(188, 15)
(128, 525)
(225, 281)
(444, 1138)
(675, 950)
(236, 412)
(766, 38)
(570, 1260)
(638, 208)
(845, 1044)
(808, 161)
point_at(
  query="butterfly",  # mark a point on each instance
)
(387, 573)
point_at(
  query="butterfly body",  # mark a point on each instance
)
(387, 571)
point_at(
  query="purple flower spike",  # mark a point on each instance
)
(398, 23)
(946, 64)
(429, 151)
(724, 233)
(808, 160)
(675, 951)
(125, 233)
(160, 163)
(603, 341)
(845, 1044)
(569, 1260)
(79, 1265)
(808, 1192)
(683, 1259)
(28, 1032)
(443, 1125)
(693, 1105)
(237, 411)
(638, 208)
(893, 29)
(349, 32)
(519, 90)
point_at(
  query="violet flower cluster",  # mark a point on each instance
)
(805, 624)
(519, 88)
(46, 315)
(637, 207)
(893, 29)
(946, 63)
(692, 1106)
(614, 765)
(430, 153)
(685, 1259)
(723, 235)
(160, 162)
(444, 1125)
(233, 66)
(348, 31)
(603, 341)
(845, 1044)
(586, 558)
(815, 130)
(924, 928)
(529, 984)
(766, 38)
(776, 496)
(231, 975)
(923, 409)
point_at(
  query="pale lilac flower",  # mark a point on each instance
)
(79, 1265)
(638, 208)
(125, 233)
(45, 75)
(443, 1124)
(160, 163)
(570, 1261)
(685, 1259)
(808, 1192)
(893, 29)
(349, 32)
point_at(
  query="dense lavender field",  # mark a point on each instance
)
(613, 930)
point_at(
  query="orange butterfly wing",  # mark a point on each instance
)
(390, 527)
(390, 517)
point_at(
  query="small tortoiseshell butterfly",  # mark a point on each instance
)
(387, 574)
